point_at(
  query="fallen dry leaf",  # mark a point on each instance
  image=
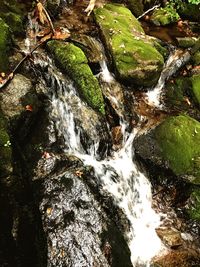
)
(29, 108)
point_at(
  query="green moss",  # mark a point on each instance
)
(194, 209)
(14, 21)
(5, 150)
(164, 16)
(135, 59)
(179, 141)
(196, 87)
(74, 62)
(196, 58)
(176, 93)
(5, 39)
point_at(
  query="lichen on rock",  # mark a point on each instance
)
(135, 59)
(74, 62)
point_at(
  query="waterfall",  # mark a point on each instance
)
(175, 61)
(117, 173)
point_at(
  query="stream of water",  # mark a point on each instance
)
(117, 173)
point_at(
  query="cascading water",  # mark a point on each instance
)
(174, 62)
(117, 174)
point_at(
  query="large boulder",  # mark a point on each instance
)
(74, 62)
(18, 98)
(134, 57)
(174, 144)
(179, 141)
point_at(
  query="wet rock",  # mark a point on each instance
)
(170, 237)
(176, 94)
(19, 98)
(136, 7)
(5, 42)
(183, 258)
(74, 62)
(164, 16)
(195, 88)
(90, 46)
(148, 149)
(173, 145)
(135, 60)
(76, 225)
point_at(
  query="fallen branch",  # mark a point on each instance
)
(10, 75)
(149, 10)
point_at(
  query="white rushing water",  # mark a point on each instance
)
(118, 174)
(174, 62)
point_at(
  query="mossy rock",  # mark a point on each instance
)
(195, 79)
(176, 93)
(12, 13)
(14, 21)
(194, 205)
(179, 141)
(5, 41)
(135, 59)
(186, 42)
(74, 62)
(196, 58)
(5, 149)
(164, 16)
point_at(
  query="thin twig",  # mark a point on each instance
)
(10, 76)
(47, 16)
(149, 10)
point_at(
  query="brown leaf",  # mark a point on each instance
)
(61, 34)
(46, 37)
(29, 108)
(41, 14)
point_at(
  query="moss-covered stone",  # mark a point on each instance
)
(179, 140)
(194, 205)
(164, 16)
(135, 59)
(176, 93)
(12, 12)
(5, 150)
(186, 42)
(74, 62)
(196, 58)
(14, 21)
(195, 79)
(5, 40)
